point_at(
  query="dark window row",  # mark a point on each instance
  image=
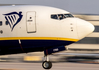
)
(5, 23)
(61, 16)
(89, 40)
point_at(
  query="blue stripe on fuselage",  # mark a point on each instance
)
(13, 46)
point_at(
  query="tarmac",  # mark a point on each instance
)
(56, 66)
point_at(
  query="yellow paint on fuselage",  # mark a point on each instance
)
(38, 38)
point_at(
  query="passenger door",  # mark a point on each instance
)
(31, 22)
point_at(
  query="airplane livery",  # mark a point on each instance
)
(10, 18)
(30, 28)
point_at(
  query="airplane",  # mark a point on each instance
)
(32, 28)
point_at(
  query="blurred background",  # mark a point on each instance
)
(84, 51)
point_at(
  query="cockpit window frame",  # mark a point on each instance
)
(69, 16)
(54, 16)
(61, 16)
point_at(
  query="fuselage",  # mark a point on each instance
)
(36, 28)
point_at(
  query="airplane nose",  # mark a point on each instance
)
(84, 28)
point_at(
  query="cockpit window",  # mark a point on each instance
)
(68, 15)
(61, 16)
(54, 17)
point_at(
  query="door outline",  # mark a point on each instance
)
(27, 22)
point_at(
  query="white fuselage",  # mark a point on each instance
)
(37, 23)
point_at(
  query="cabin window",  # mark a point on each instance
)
(54, 17)
(0, 23)
(6, 22)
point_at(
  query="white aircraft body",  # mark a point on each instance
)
(28, 28)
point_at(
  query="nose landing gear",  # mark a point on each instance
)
(46, 64)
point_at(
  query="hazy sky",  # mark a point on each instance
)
(73, 6)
